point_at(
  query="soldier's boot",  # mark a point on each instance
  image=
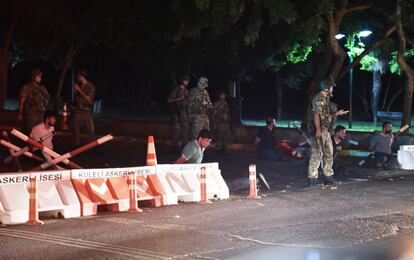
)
(329, 180)
(313, 182)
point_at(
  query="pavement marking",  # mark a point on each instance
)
(80, 243)
(274, 244)
(169, 226)
(200, 254)
(120, 220)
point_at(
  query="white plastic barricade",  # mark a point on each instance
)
(68, 197)
(184, 180)
(405, 157)
(53, 199)
(14, 198)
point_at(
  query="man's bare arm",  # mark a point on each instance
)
(181, 160)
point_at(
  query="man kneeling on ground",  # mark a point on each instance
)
(266, 141)
(194, 150)
(381, 145)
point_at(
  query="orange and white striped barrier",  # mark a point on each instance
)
(77, 151)
(33, 202)
(203, 186)
(253, 182)
(13, 154)
(18, 151)
(132, 187)
(45, 149)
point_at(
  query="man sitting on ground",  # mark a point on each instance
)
(194, 150)
(338, 139)
(381, 145)
(45, 131)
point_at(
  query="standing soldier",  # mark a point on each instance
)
(179, 118)
(33, 101)
(319, 124)
(198, 106)
(82, 109)
(222, 121)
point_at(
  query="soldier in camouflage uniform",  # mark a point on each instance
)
(221, 121)
(33, 101)
(179, 118)
(198, 107)
(318, 126)
(82, 109)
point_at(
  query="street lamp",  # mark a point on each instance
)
(361, 34)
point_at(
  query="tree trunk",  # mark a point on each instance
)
(409, 72)
(376, 89)
(321, 71)
(279, 90)
(4, 58)
(73, 49)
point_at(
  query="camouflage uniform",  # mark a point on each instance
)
(37, 99)
(179, 117)
(222, 119)
(82, 113)
(334, 109)
(322, 149)
(198, 106)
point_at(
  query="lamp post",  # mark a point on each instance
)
(361, 34)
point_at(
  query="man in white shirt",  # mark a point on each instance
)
(44, 131)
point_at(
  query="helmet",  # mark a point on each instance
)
(327, 83)
(185, 77)
(35, 72)
(203, 81)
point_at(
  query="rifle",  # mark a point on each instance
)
(303, 134)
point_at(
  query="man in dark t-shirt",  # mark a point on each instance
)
(266, 143)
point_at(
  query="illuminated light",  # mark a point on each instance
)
(364, 33)
(313, 255)
(339, 36)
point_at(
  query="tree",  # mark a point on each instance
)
(10, 14)
(405, 66)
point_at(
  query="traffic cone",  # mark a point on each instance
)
(151, 155)
(65, 119)
(253, 182)
(33, 201)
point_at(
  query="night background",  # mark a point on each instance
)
(267, 55)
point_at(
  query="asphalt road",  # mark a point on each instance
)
(369, 216)
(372, 218)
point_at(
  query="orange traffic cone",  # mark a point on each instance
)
(151, 155)
(65, 120)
